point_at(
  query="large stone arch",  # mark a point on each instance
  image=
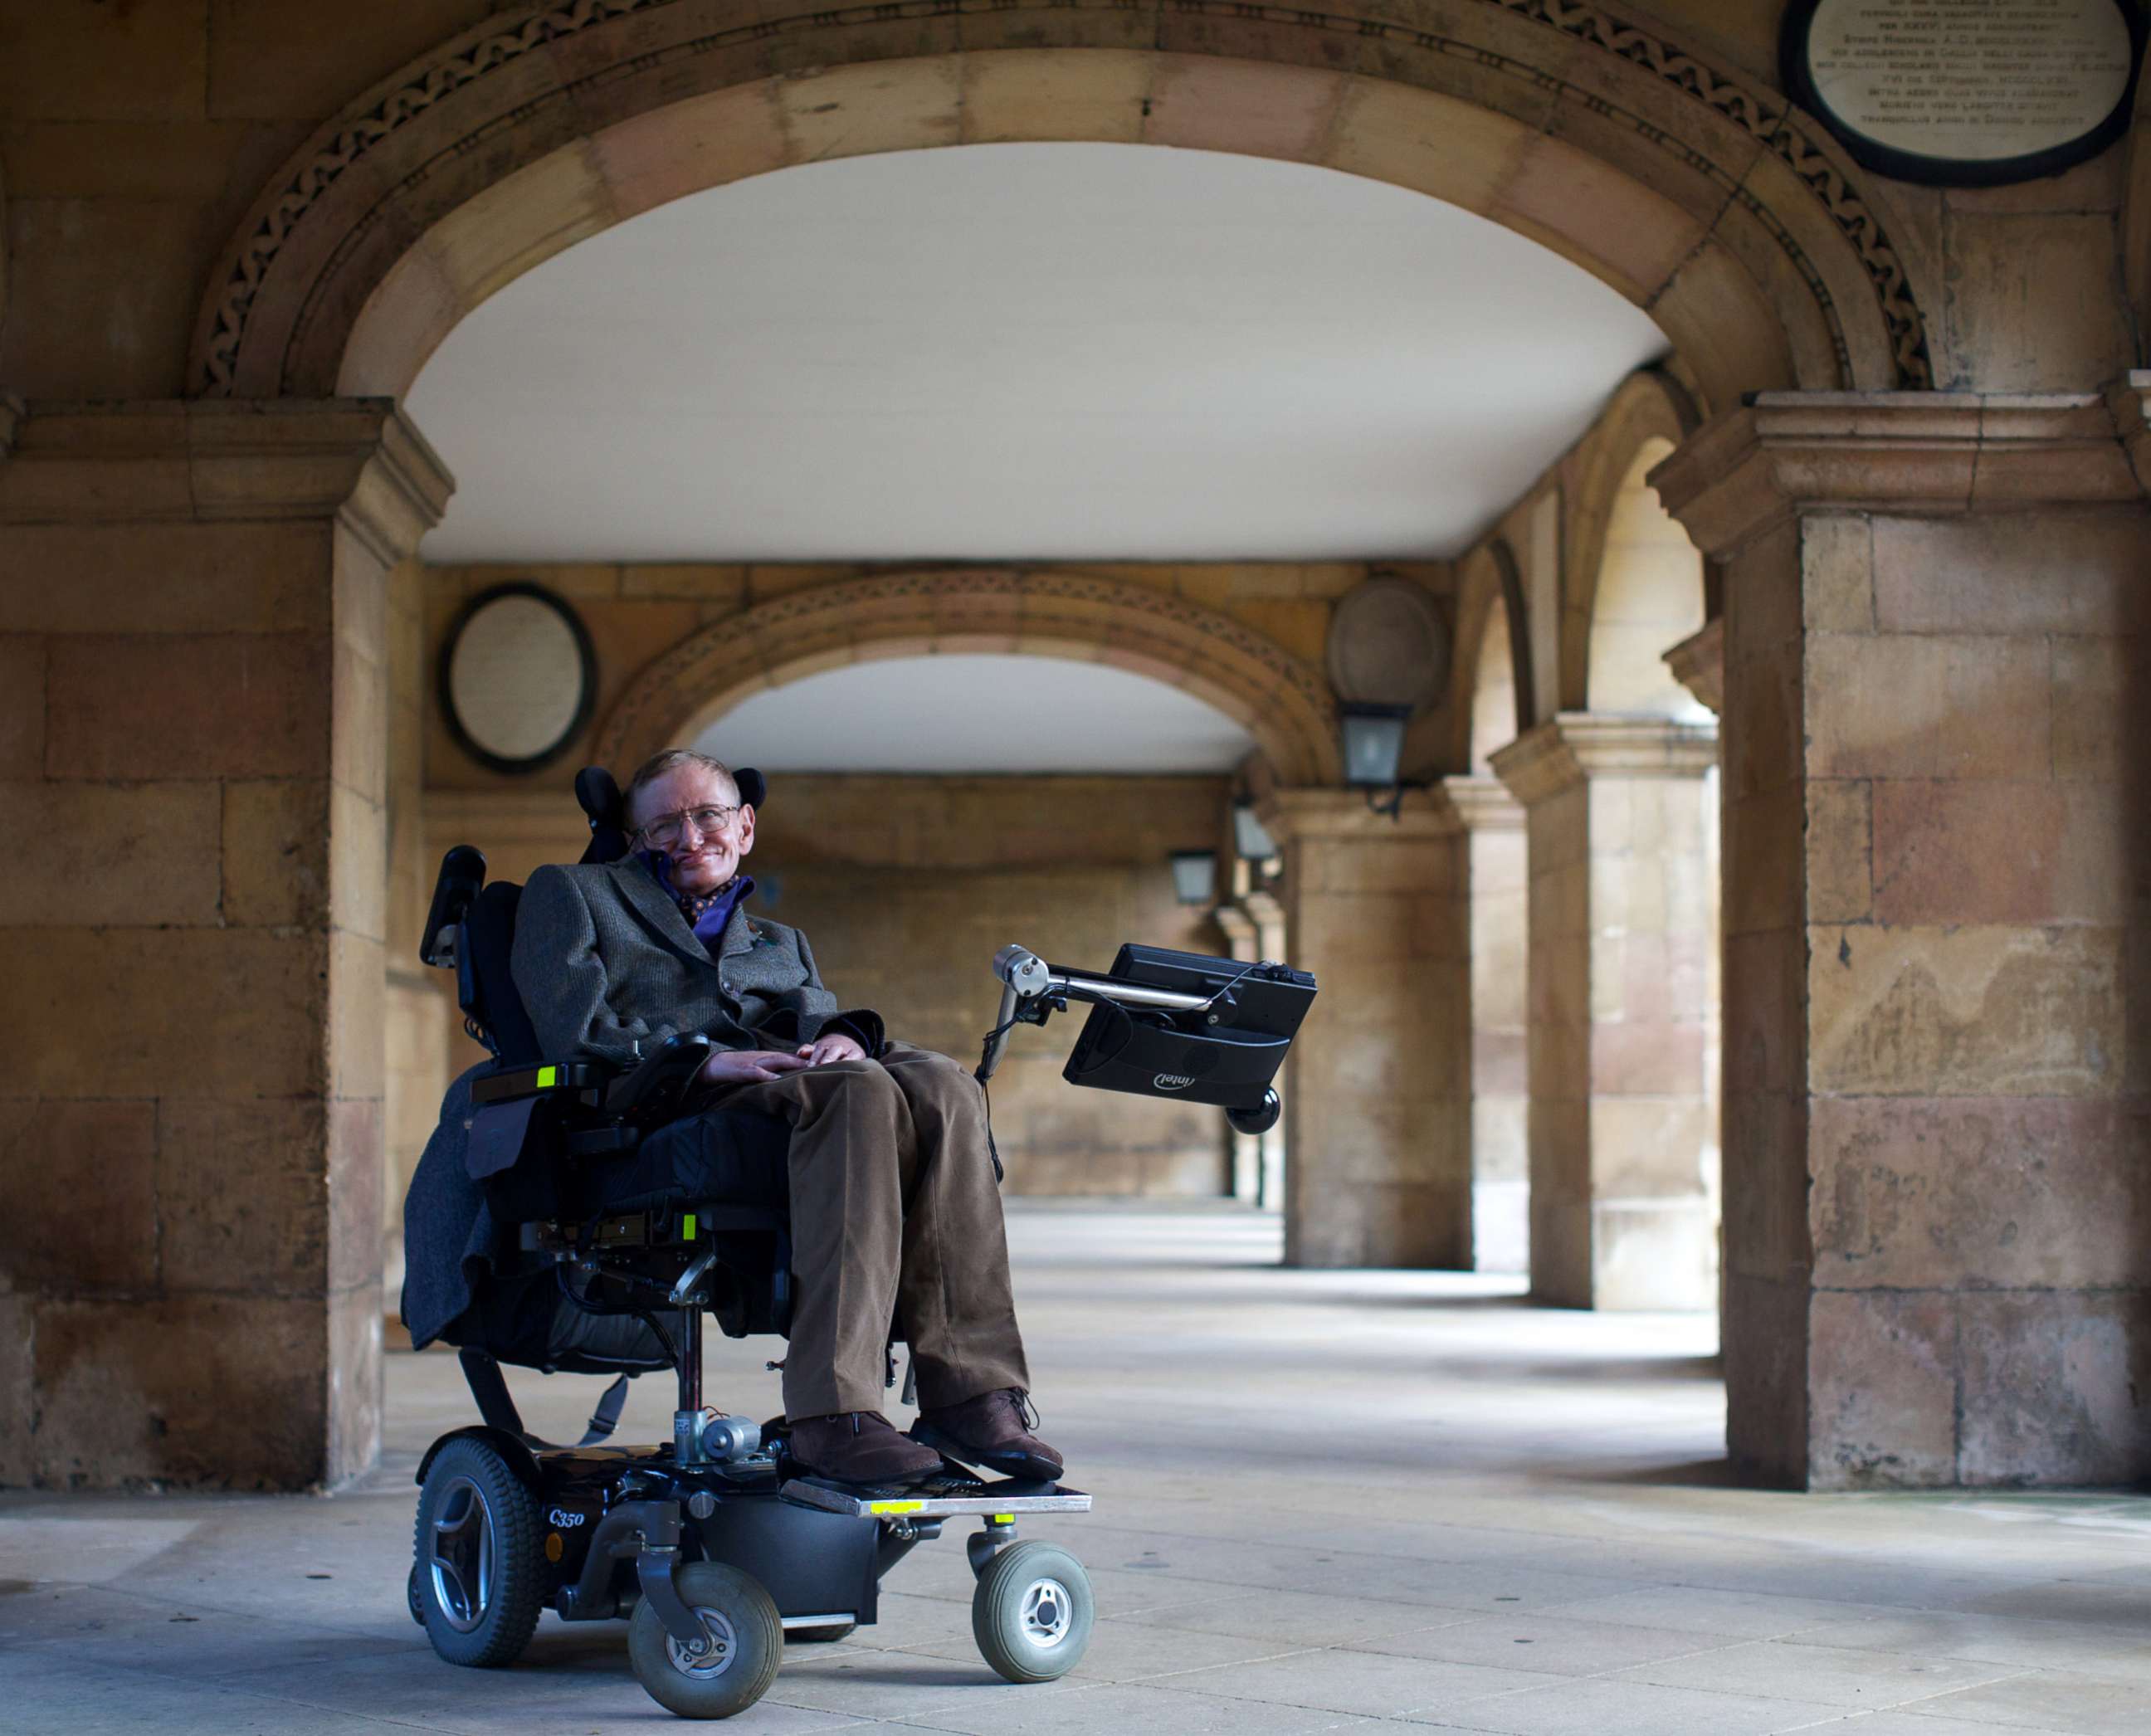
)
(1701, 195)
(1489, 600)
(1649, 407)
(1052, 612)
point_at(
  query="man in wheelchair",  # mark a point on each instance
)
(895, 1210)
(678, 1120)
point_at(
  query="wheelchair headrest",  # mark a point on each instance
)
(598, 793)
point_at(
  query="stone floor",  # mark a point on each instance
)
(1325, 1500)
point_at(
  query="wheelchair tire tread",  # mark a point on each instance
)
(519, 1595)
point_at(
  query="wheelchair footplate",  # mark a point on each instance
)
(936, 1498)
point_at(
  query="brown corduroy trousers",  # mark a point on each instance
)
(895, 1213)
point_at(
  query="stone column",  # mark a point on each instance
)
(193, 735)
(1378, 1133)
(1938, 1174)
(1623, 923)
(1497, 897)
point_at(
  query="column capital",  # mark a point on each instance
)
(1294, 814)
(1483, 803)
(1698, 664)
(1784, 453)
(360, 461)
(1575, 746)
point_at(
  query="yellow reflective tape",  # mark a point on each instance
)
(687, 1226)
(894, 1506)
(1002, 1518)
(547, 1077)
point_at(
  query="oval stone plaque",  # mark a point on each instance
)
(518, 677)
(1965, 92)
(1388, 644)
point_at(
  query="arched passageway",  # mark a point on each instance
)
(1693, 190)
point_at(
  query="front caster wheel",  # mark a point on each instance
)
(478, 1577)
(746, 1643)
(1032, 1612)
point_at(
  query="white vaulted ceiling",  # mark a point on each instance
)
(1021, 350)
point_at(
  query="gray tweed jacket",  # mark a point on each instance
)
(606, 962)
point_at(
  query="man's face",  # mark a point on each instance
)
(702, 861)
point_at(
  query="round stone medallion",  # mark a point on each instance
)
(1388, 644)
(518, 677)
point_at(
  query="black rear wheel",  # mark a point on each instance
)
(478, 1575)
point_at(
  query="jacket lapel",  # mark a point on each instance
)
(739, 936)
(641, 890)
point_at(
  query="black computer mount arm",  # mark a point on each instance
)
(1033, 990)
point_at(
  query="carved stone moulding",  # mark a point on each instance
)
(360, 196)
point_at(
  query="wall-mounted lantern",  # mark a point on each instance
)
(1195, 876)
(1374, 743)
(1250, 837)
(1388, 655)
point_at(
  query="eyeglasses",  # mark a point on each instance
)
(666, 829)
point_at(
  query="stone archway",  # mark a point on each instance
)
(1703, 197)
(1493, 652)
(1054, 612)
(1649, 411)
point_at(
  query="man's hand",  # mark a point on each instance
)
(748, 1066)
(834, 1047)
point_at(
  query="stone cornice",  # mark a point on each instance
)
(1580, 745)
(1697, 663)
(357, 460)
(1923, 453)
(1291, 814)
(1483, 804)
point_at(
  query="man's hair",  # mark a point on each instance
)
(658, 764)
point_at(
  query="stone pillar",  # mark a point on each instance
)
(1378, 1133)
(1937, 980)
(1623, 923)
(193, 733)
(1497, 897)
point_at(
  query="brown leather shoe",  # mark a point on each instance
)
(861, 1446)
(992, 1430)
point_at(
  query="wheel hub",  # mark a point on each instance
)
(461, 1563)
(719, 1645)
(1046, 1612)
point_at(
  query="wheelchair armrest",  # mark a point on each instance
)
(657, 1084)
(513, 1082)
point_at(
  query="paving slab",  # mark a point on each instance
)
(1325, 1500)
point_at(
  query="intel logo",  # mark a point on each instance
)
(1173, 1082)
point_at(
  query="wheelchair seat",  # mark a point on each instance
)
(624, 1211)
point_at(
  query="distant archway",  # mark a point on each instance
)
(1649, 598)
(1496, 647)
(1280, 700)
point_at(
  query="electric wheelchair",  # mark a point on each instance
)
(715, 1545)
